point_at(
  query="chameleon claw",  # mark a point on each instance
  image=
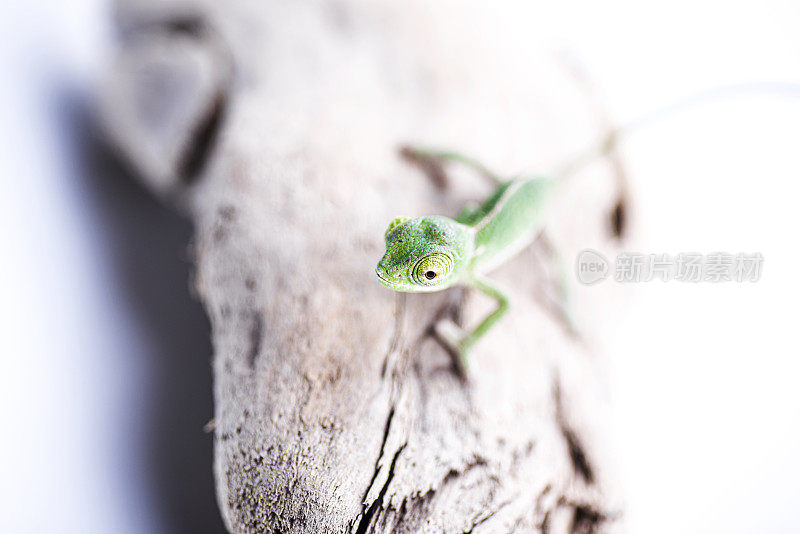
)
(453, 340)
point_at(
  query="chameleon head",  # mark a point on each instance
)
(424, 254)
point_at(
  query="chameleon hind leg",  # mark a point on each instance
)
(456, 340)
(431, 161)
(557, 305)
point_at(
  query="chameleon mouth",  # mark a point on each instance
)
(381, 279)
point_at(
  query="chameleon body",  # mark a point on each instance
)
(433, 253)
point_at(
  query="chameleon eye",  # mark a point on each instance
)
(430, 268)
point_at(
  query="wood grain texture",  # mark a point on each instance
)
(276, 126)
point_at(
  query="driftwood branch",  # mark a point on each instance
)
(276, 126)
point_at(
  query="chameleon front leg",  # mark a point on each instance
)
(459, 342)
(431, 160)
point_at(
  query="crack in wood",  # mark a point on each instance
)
(577, 453)
(486, 517)
(619, 218)
(371, 513)
(256, 338)
(586, 520)
(202, 139)
(377, 469)
(478, 461)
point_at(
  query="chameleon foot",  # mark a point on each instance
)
(452, 337)
(432, 162)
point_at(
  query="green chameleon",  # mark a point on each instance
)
(425, 254)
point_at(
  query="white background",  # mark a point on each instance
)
(704, 377)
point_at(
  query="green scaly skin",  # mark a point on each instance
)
(426, 254)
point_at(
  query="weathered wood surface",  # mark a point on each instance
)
(276, 125)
